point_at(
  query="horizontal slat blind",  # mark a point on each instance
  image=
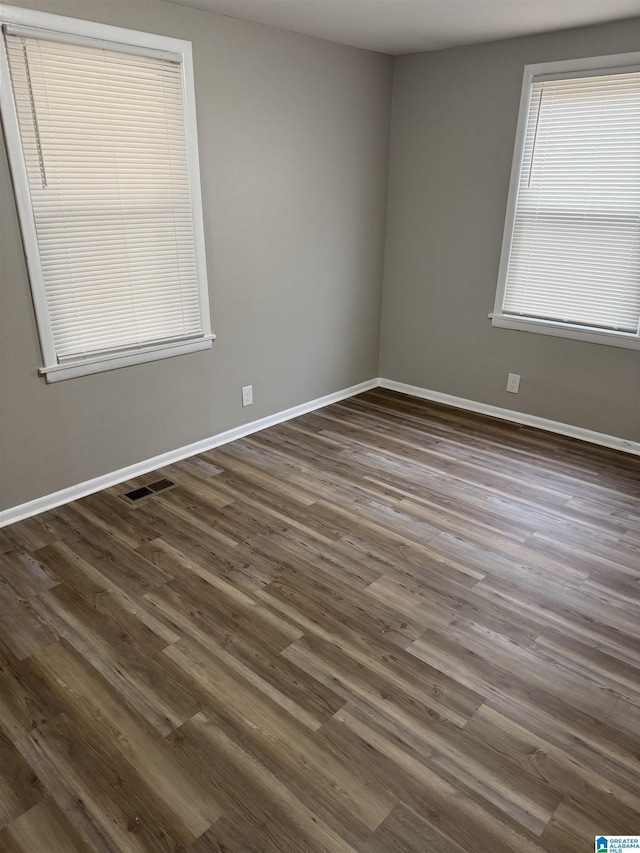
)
(575, 255)
(103, 135)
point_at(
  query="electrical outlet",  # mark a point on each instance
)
(247, 395)
(513, 383)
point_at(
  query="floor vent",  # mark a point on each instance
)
(161, 485)
(147, 491)
(138, 494)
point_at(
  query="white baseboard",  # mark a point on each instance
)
(88, 487)
(523, 418)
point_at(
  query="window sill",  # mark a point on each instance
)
(563, 330)
(58, 372)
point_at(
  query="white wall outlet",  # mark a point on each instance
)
(247, 395)
(513, 383)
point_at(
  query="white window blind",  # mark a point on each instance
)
(103, 136)
(575, 248)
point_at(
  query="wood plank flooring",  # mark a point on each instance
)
(387, 626)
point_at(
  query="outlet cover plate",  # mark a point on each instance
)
(513, 383)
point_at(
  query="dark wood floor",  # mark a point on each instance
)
(386, 627)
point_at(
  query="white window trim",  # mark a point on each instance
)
(78, 30)
(551, 70)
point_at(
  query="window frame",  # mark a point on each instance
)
(89, 32)
(588, 66)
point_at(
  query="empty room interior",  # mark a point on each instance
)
(320, 426)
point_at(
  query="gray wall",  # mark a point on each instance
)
(453, 129)
(293, 135)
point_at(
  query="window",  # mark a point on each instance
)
(570, 261)
(100, 128)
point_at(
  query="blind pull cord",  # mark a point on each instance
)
(535, 138)
(34, 116)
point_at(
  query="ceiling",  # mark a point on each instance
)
(405, 26)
